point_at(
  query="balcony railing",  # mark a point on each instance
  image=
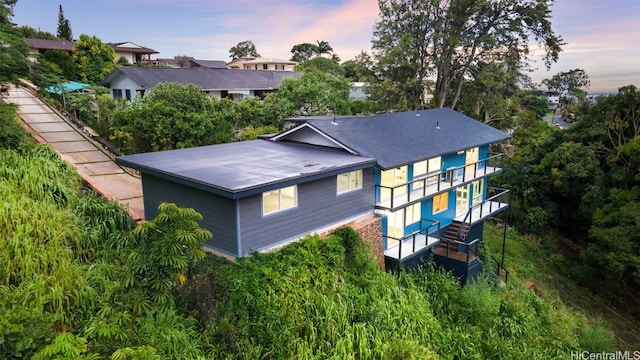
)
(390, 198)
(399, 248)
(458, 250)
(497, 201)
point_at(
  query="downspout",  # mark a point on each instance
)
(238, 234)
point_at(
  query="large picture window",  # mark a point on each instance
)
(349, 181)
(440, 202)
(279, 199)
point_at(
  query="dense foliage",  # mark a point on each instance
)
(13, 57)
(94, 59)
(324, 298)
(170, 116)
(583, 182)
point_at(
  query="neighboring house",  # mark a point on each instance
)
(128, 82)
(191, 63)
(250, 63)
(135, 54)
(422, 175)
(553, 98)
(39, 46)
(357, 91)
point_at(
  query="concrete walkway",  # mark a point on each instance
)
(93, 163)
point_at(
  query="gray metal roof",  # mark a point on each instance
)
(397, 139)
(206, 79)
(211, 64)
(240, 169)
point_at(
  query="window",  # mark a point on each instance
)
(127, 93)
(117, 93)
(419, 168)
(265, 66)
(440, 202)
(279, 199)
(393, 178)
(427, 166)
(412, 214)
(478, 189)
(349, 181)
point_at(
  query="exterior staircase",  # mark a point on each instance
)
(456, 232)
(453, 253)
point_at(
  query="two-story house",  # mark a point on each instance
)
(252, 63)
(133, 53)
(422, 175)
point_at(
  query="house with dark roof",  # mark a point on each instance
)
(422, 175)
(128, 82)
(190, 62)
(134, 54)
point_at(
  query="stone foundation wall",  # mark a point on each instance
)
(370, 230)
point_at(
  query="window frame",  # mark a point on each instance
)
(280, 202)
(410, 214)
(440, 208)
(359, 177)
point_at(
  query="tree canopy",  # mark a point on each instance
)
(315, 93)
(303, 52)
(93, 58)
(447, 40)
(243, 49)
(170, 116)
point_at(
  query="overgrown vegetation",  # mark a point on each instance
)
(78, 280)
(582, 184)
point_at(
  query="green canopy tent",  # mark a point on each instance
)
(66, 87)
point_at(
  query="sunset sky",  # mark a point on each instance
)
(602, 36)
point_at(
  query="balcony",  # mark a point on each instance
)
(399, 249)
(391, 198)
(445, 244)
(497, 200)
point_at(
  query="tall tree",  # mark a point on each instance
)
(64, 27)
(323, 47)
(243, 49)
(570, 83)
(446, 39)
(93, 58)
(359, 68)
(302, 52)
